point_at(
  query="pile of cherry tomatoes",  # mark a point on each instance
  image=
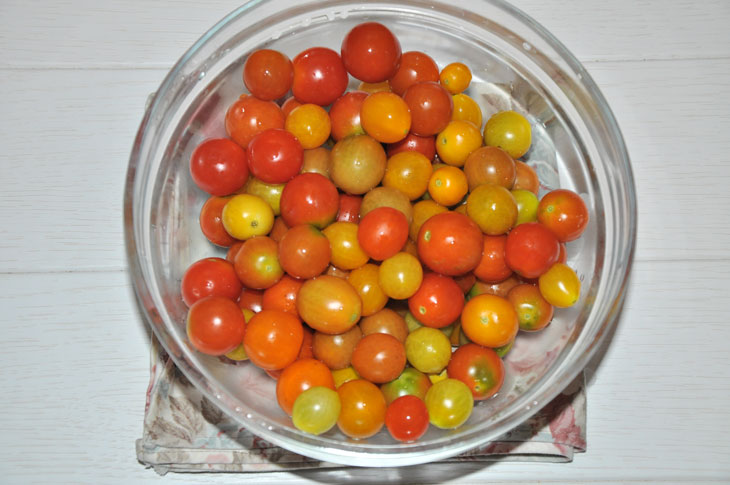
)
(384, 252)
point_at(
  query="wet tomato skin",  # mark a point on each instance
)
(215, 325)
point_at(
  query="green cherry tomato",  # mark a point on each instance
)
(449, 403)
(410, 382)
(428, 350)
(316, 410)
(526, 206)
(509, 131)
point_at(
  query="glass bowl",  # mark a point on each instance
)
(516, 64)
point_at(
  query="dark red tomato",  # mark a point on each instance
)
(275, 156)
(282, 295)
(257, 263)
(438, 301)
(319, 76)
(273, 339)
(531, 249)
(493, 266)
(407, 418)
(268, 74)
(450, 243)
(304, 252)
(215, 325)
(563, 212)
(309, 198)
(425, 145)
(349, 208)
(414, 67)
(480, 368)
(431, 106)
(382, 232)
(370, 52)
(345, 115)
(249, 116)
(219, 166)
(210, 277)
(379, 357)
(251, 299)
(211, 223)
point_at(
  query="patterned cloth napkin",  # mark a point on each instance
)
(184, 432)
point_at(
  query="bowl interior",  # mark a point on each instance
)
(516, 65)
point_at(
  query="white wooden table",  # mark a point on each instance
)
(74, 76)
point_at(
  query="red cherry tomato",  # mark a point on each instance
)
(309, 198)
(425, 145)
(251, 299)
(211, 223)
(406, 418)
(450, 243)
(304, 252)
(563, 212)
(210, 277)
(282, 295)
(431, 106)
(268, 74)
(249, 116)
(349, 208)
(493, 266)
(275, 156)
(438, 301)
(414, 67)
(531, 249)
(345, 115)
(273, 338)
(370, 52)
(219, 166)
(319, 76)
(478, 367)
(215, 325)
(382, 232)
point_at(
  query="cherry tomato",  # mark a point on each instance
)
(272, 339)
(278, 229)
(425, 145)
(466, 109)
(219, 166)
(438, 301)
(493, 208)
(448, 185)
(363, 409)
(270, 193)
(510, 131)
(335, 350)
(564, 213)
(379, 357)
(382, 233)
(345, 115)
(251, 299)
(531, 249)
(275, 156)
(385, 117)
(408, 172)
(414, 67)
(289, 105)
(456, 142)
(428, 350)
(245, 216)
(310, 124)
(329, 304)
(210, 276)
(319, 76)
(533, 311)
(500, 289)
(344, 375)
(317, 160)
(211, 222)
(526, 206)
(299, 376)
(489, 320)
(346, 251)
(239, 353)
(490, 165)
(560, 286)
(400, 276)
(309, 198)
(493, 267)
(407, 418)
(449, 403)
(371, 88)
(386, 197)
(525, 177)
(365, 281)
(233, 250)
(316, 410)
(349, 210)
(430, 106)
(268, 74)
(423, 210)
(282, 295)
(455, 77)
(249, 116)
(304, 252)
(215, 325)
(450, 243)
(478, 367)
(385, 321)
(411, 382)
(358, 164)
(370, 52)
(257, 263)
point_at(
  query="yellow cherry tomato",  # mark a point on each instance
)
(311, 125)
(423, 210)
(346, 251)
(408, 172)
(385, 116)
(400, 276)
(510, 131)
(375, 87)
(560, 286)
(365, 281)
(493, 208)
(246, 216)
(448, 185)
(455, 77)
(527, 203)
(457, 141)
(466, 109)
(341, 376)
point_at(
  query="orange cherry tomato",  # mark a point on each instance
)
(347, 253)
(273, 339)
(489, 320)
(365, 281)
(299, 376)
(409, 172)
(282, 295)
(249, 116)
(455, 77)
(329, 304)
(450, 243)
(385, 117)
(379, 357)
(466, 109)
(457, 141)
(362, 411)
(310, 123)
(448, 185)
